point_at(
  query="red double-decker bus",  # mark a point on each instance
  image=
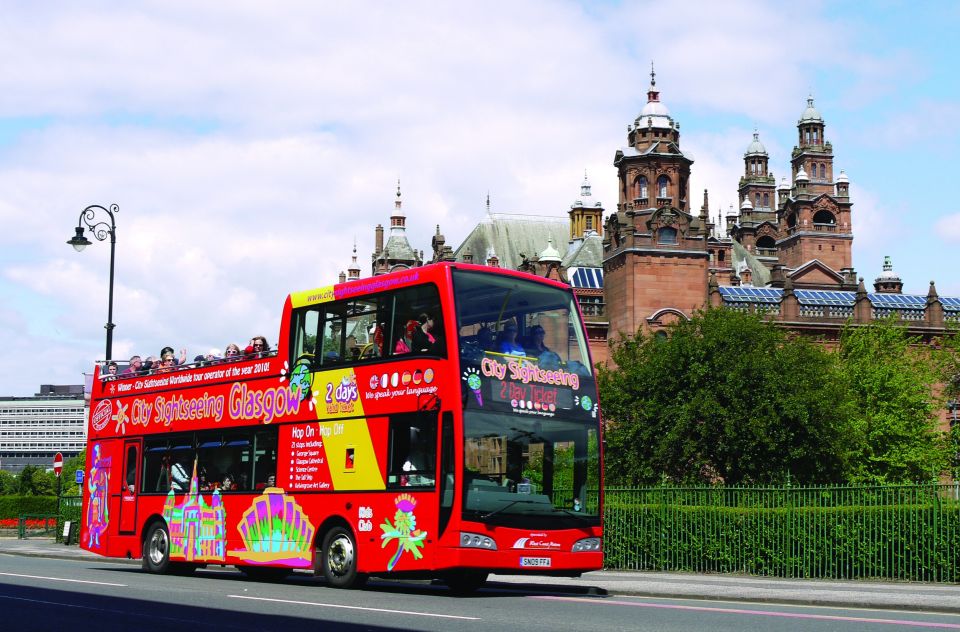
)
(435, 422)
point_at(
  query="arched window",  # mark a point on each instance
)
(766, 242)
(766, 200)
(823, 171)
(662, 183)
(791, 220)
(824, 217)
(756, 201)
(806, 136)
(667, 235)
(589, 222)
(816, 135)
(642, 187)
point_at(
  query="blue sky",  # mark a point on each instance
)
(249, 145)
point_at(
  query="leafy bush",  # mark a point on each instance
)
(16, 506)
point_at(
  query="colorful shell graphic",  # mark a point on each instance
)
(275, 530)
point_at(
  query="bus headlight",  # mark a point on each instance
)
(477, 541)
(587, 544)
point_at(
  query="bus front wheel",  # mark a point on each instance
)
(156, 549)
(338, 559)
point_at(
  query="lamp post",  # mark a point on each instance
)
(100, 230)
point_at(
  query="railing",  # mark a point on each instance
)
(36, 524)
(904, 532)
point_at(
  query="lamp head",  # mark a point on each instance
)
(78, 241)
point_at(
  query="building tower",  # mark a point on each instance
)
(814, 219)
(757, 227)
(655, 258)
(397, 254)
(585, 214)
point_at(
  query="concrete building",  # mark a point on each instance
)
(34, 429)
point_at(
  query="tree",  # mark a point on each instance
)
(726, 397)
(33, 481)
(68, 476)
(8, 483)
(891, 377)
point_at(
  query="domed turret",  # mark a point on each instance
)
(756, 148)
(802, 176)
(549, 254)
(810, 113)
(889, 282)
(654, 113)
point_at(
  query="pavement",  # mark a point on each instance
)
(925, 597)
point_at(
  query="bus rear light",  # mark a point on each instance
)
(587, 544)
(477, 541)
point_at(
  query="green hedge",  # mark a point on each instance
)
(786, 534)
(16, 506)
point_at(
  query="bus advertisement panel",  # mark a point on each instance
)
(380, 438)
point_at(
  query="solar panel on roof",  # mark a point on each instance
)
(587, 277)
(901, 301)
(742, 294)
(825, 297)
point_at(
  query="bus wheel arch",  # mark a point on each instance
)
(336, 555)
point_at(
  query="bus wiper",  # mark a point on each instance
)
(507, 506)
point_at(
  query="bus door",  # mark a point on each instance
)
(130, 487)
(413, 476)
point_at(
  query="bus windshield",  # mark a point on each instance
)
(530, 418)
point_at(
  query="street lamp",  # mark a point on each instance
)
(100, 230)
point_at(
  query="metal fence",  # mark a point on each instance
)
(902, 532)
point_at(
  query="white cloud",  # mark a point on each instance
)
(249, 148)
(947, 228)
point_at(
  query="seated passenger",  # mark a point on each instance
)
(405, 338)
(548, 359)
(258, 348)
(167, 363)
(181, 360)
(227, 484)
(508, 341)
(425, 336)
(133, 369)
(212, 356)
(110, 372)
(232, 352)
(485, 338)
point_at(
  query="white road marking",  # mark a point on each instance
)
(384, 610)
(63, 579)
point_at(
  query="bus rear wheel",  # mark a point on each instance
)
(156, 549)
(465, 582)
(338, 559)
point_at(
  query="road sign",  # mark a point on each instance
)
(78, 475)
(58, 464)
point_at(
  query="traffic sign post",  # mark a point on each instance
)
(58, 468)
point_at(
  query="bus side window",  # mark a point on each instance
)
(305, 326)
(413, 451)
(414, 305)
(154, 473)
(265, 458)
(330, 347)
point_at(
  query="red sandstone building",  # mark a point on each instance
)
(787, 250)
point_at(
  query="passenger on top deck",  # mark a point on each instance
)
(507, 342)
(258, 348)
(133, 369)
(232, 352)
(423, 338)
(181, 360)
(110, 371)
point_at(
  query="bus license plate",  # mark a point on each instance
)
(535, 562)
